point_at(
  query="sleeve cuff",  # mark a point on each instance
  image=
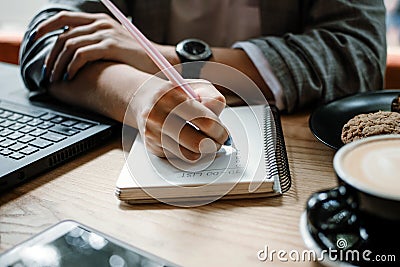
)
(265, 70)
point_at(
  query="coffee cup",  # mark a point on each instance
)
(364, 210)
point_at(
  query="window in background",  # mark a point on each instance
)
(393, 22)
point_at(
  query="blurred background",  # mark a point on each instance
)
(393, 22)
(16, 14)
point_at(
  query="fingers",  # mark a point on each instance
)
(203, 114)
(177, 102)
(85, 30)
(72, 48)
(68, 42)
(87, 54)
(170, 149)
(75, 56)
(166, 125)
(202, 117)
(65, 18)
(184, 134)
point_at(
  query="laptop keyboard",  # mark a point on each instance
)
(23, 134)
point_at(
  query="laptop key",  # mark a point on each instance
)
(33, 112)
(15, 136)
(35, 122)
(27, 129)
(7, 143)
(40, 143)
(6, 123)
(17, 156)
(5, 114)
(15, 117)
(26, 139)
(55, 137)
(17, 146)
(6, 152)
(64, 130)
(29, 150)
(45, 125)
(16, 126)
(48, 116)
(25, 119)
(69, 123)
(5, 132)
(37, 132)
(83, 126)
(58, 119)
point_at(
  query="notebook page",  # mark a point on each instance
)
(244, 163)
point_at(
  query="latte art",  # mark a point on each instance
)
(375, 165)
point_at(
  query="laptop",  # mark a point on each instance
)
(38, 135)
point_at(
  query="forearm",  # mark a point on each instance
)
(153, 105)
(103, 87)
(239, 60)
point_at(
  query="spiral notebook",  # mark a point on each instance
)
(255, 165)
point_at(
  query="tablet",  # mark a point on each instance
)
(70, 243)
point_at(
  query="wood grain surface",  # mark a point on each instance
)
(223, 233)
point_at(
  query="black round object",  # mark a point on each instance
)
(327, 121)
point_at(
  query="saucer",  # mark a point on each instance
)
(312, 245)
(327, 121)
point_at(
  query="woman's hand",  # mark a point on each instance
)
(160, 112)
(162, 115)
(90, 37)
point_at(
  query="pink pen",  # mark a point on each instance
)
(155, 55)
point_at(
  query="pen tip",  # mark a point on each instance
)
(228, 141)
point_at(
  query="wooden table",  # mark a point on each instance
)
(224, 233)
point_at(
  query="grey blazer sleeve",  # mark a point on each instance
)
(340, 50)
(33, 54)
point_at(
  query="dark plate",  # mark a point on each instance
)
(327, 121)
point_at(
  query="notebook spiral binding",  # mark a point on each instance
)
(276, 154)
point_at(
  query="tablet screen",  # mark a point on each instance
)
(80, 247)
